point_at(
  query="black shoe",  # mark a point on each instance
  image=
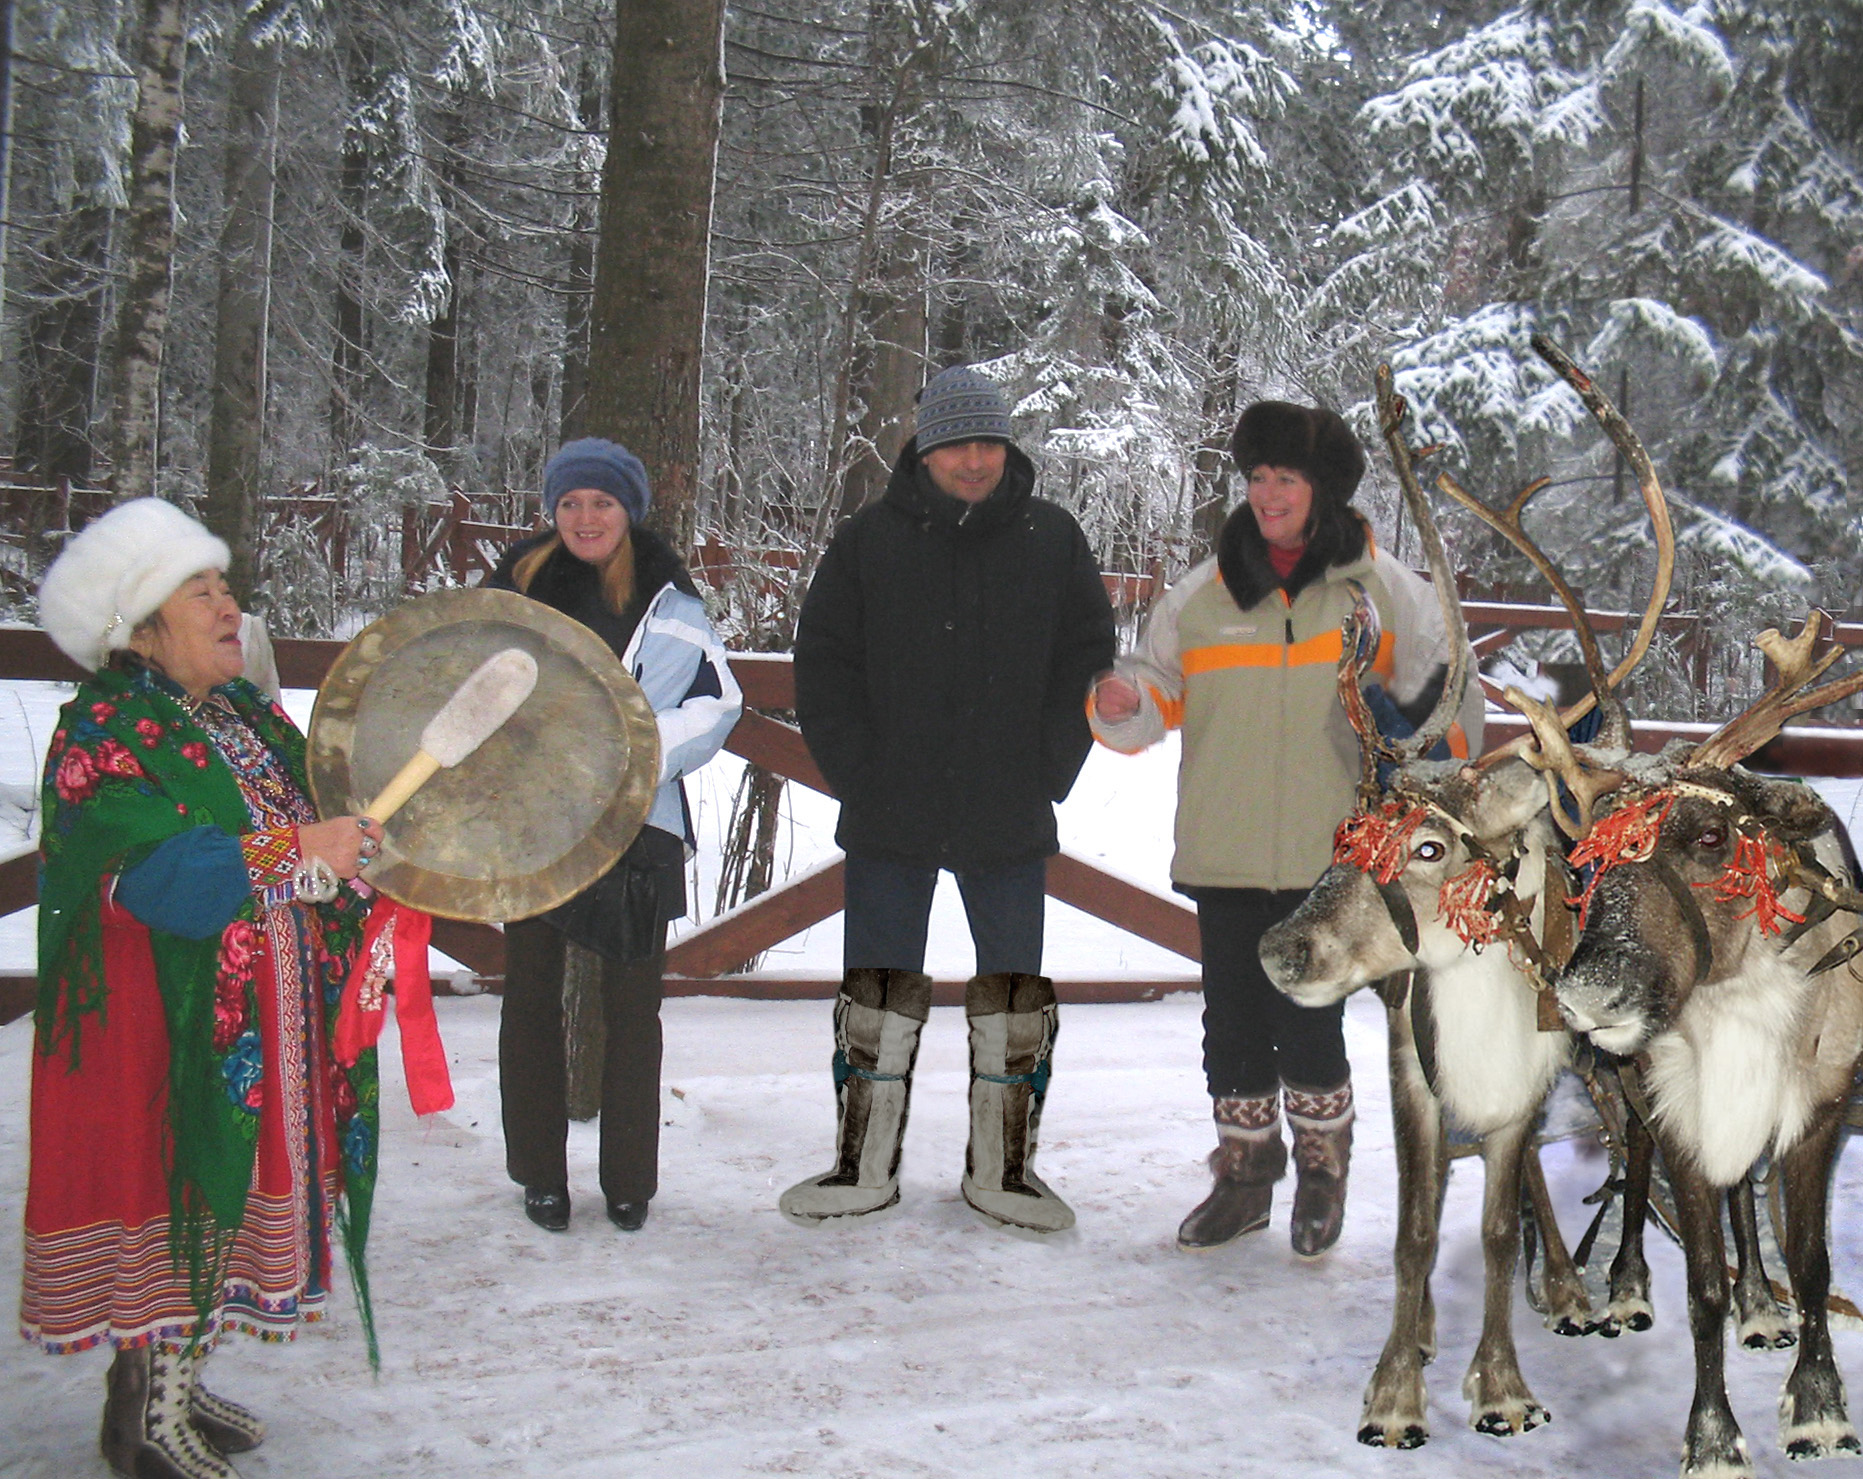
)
(628, 1216)
(548, 1207)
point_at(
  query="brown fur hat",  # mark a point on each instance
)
(1311, 440)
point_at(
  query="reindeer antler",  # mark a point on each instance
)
(1391, 413)
(1746, 732)
(1555, 758)
(1616, 732)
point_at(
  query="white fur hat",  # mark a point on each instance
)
(119, 569)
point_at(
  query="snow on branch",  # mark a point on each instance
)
(1648, 322)
(1216, 91)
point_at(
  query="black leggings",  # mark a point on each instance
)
(1254, 1038)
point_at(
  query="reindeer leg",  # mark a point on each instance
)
(1760, 1324)
(1630, 1307)
(1502, 1403)
(1813, 1422)
(1568, 1307)
(1395, 1415)
(1713, 1444)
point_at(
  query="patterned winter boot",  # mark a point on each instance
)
(1322, 1123)
(147, 1433)
(1013, 1021)
(877, 1019)
(1249, 1158)
(227, 1427)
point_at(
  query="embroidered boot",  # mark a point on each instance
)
(147, 1432)
(877, 1019)
(1013, 1021)
(1322, 1123)
(227, 1426)
(1249, 1158)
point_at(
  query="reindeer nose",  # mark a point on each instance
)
(1577, 1018)
(1287, 960)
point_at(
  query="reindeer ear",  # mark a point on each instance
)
(1507, 798)
(1797, 811)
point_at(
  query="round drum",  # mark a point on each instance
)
(541, 809)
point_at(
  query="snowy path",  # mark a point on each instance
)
(722, 1340)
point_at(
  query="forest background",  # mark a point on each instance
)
(376, 273)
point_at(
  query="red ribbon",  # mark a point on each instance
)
(364, 1008)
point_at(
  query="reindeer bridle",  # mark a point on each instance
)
(1479, 904)
(1762, 867)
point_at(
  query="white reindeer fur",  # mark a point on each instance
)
(1738, 1073)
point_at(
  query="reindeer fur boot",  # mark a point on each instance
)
(147, 1429)
(1013, 1021)
(1249, 1158)
(877, 1019)
(227, 1426)
(1322, 1123)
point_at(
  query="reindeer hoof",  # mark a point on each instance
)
(1769, 1340)
(1566, 1325)
(1642, 1320)
(1412, 1435)
(1500, 1425)
(1835, 1439)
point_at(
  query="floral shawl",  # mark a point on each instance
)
(128, 768)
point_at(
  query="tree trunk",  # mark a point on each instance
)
(647, 327)
(235, 445)
(440, 423)
(572, 415)
(887, 372)
(149, 247)
(7, 9)
(348, 354)
(585, 1031)
(59, 348)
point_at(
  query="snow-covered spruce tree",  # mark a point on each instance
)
(1647, 186)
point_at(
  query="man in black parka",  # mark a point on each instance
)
(943, 658)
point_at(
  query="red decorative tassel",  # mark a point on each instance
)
(1377, 842)
(1463, 904)
(395, 930)
(1749, 876)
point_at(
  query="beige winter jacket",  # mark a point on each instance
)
(1269, 761)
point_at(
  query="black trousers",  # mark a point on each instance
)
(533, 1078)
(1254, 1038)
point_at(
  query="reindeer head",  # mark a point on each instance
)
(1692, 883)
(1694, 862)
(1441, 864)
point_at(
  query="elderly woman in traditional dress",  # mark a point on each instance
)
(194, 1142)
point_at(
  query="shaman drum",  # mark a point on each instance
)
(533, 816)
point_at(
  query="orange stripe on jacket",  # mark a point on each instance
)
(1323, 649)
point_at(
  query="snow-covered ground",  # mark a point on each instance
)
(723, 1340)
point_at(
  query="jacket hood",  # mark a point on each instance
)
(911, 492)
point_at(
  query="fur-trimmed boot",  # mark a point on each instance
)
(147, 1433)
(1322, 1124)
(1013, 1021)
(1249, 1158)
(227, 1426)
(877, 1019)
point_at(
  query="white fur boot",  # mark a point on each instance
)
(877, 1019)
(1013, 1021)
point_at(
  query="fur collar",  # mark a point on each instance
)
(1339, 537)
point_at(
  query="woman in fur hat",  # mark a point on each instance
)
(193, 1137)
(1241, 654)
(597, 564)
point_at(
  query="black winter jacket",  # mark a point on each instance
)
(942, 660)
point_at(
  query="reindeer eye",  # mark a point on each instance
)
(1429, 852)
(1711, 837)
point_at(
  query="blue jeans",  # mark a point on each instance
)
(889, 907)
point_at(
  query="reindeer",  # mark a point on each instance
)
(1717, 946)
(1453, 878)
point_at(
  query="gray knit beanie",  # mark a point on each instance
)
(960, 405)
(594, 462)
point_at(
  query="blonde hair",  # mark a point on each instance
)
(617, 571)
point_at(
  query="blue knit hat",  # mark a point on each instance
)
(959, 405)
(594, 462)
